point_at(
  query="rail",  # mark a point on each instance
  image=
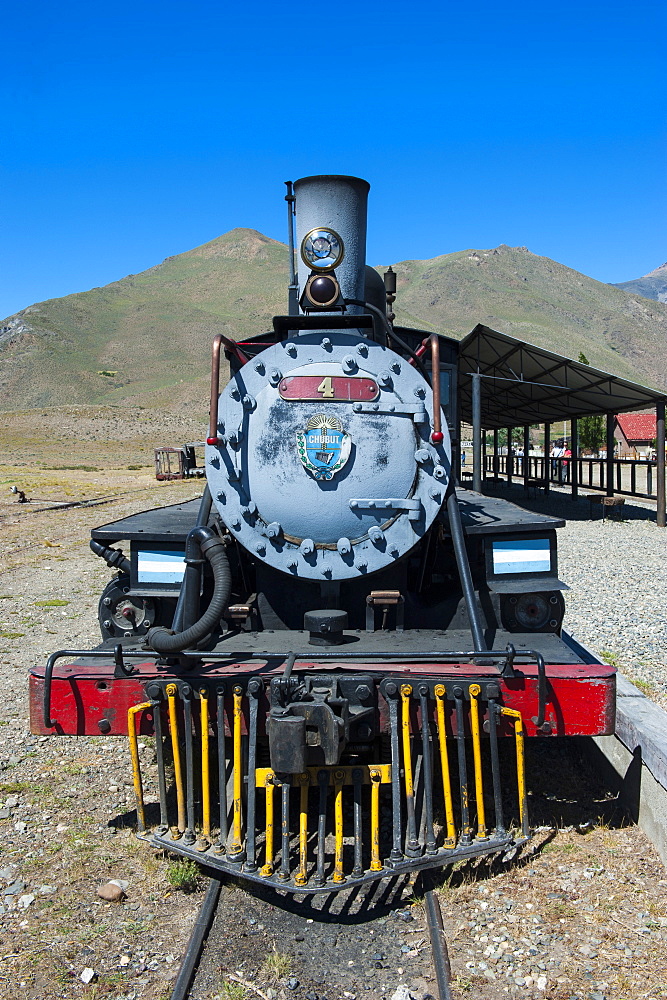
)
(199, 938)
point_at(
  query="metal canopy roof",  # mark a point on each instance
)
(524, 384)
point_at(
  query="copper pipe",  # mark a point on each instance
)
(437, 435)
(215, 391)
(233, 348)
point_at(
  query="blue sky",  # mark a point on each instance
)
(131, 132)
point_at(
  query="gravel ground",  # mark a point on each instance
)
(617, 574)
(584, 917)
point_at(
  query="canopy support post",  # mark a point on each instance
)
(509, 467)
(574, 461)
(609, 471)
(476, 432)
(526, 456)
(484, 468)
(661, 509)
(547, 457)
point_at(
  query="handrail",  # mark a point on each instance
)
(118, 654)
(434, 343)
(234, 348)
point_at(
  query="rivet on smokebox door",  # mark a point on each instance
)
(376, 534)
(307, 547)
(344, 546)
(275, 376)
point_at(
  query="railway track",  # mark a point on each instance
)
(357, 936)
(385, 939)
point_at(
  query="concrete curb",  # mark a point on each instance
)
(634, 761)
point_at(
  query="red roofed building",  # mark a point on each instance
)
(635, 433)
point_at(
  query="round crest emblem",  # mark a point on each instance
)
(323, 447)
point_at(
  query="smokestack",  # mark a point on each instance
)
(335, 203)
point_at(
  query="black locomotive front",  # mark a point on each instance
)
(338, 651)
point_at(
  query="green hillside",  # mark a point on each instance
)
(150, 333)
(538, 300)
(145, 340)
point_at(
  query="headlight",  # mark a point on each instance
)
(322, 290)
(322, 249)
(538, 612)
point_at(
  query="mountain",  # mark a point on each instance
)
(538, 300)
(652, 286)
(145, 340)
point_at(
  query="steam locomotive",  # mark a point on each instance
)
(339, 652)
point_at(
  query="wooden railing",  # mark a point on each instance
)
(631, 477)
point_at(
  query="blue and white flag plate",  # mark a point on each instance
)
(156, 566)
(529, 555)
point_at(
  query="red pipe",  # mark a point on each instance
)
(421, 350)
(433, 343)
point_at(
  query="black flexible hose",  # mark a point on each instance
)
(192, 576)
(212, 547)
(114, 558)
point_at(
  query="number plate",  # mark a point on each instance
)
(333, 387)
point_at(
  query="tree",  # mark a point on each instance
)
(592, 432)
(502, 438)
